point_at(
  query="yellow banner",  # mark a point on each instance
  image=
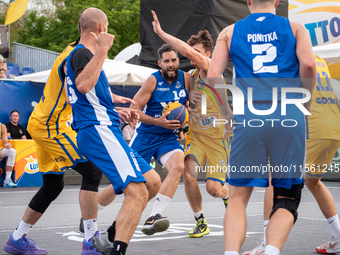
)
(15, 10)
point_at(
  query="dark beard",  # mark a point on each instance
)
(167, 77)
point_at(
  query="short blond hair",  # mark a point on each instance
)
(2, 59)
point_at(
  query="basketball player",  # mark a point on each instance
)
(265, 46)
(323, 140)
(156, 136)
(204, 143)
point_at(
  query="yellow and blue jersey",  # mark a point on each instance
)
(324, 106)
(52, 112)
(204, 124)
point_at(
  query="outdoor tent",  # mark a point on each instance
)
(24, 92)
(117, 72)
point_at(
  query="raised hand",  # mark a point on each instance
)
(155, 23)
(104, 40)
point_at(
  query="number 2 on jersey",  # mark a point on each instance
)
(270, 54)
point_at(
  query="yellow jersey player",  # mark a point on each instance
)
(323, 140)
(204, 143)
(57, 151)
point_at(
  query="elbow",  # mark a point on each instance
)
(308, 69)
(83, 87)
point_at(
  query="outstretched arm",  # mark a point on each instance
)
(180, 46)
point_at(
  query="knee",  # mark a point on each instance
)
(312, 182)
(12, 152)
(177, 169)
(91, 174)
(140, 194)
(213, 189)
(288, 199)
(153, 184)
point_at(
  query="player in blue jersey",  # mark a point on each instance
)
(97, 123)
(266, 47)
(156, 136)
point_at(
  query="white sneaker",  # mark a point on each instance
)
(9, 184)
(332, 246)
(102, 243)
(259, 250)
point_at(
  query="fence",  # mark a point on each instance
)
(29, 56)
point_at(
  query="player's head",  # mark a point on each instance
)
(14, 117)
(93, 20)
(203, 43)
(2, 73)
(252, 4)
(168, 61)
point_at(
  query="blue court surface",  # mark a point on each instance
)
(57, 230)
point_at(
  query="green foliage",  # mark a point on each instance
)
(56, 33)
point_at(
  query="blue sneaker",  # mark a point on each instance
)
(89, 248)
(23, 246)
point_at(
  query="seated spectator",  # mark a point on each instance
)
(3, 65)
(128, 131)
(15, 130)
(2, 73)
(9, 152)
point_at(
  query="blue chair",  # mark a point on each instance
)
(27, 70)
(12, 68)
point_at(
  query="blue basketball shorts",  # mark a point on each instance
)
(107, 149)
(149, 145)
(279, 140)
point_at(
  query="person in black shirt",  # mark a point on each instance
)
(15, 130)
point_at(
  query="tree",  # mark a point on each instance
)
(55, 33)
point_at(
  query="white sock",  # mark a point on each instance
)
(334, 226)
(90, 228)
(160, 204)
(100, 207)
(8, 175)
(197, 214)
(265, 224)
(22, 229)
(231, 253)
(271, 250)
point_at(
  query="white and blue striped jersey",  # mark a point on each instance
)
(263, 53)
(163, 94)
(96, 107)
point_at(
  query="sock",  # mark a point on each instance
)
(231, 253)
(334, 226)
(90, 228)
(271, 250)
(265, 224)
(198, 214)
(119, 248)
(100, 207)
(160, 204)
(22, 229)
(8, 175)
(112, 232)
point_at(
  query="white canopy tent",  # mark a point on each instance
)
(117, 72)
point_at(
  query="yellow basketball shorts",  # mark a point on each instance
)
(320, 153)
(211, 155)
(56, 154)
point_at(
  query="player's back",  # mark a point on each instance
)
(96, 107)
(263, 47)
(52, 112)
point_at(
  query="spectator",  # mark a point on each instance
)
(128, 131)
(3, 65)
(15, 130)
(9, 152)
(2, 73)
